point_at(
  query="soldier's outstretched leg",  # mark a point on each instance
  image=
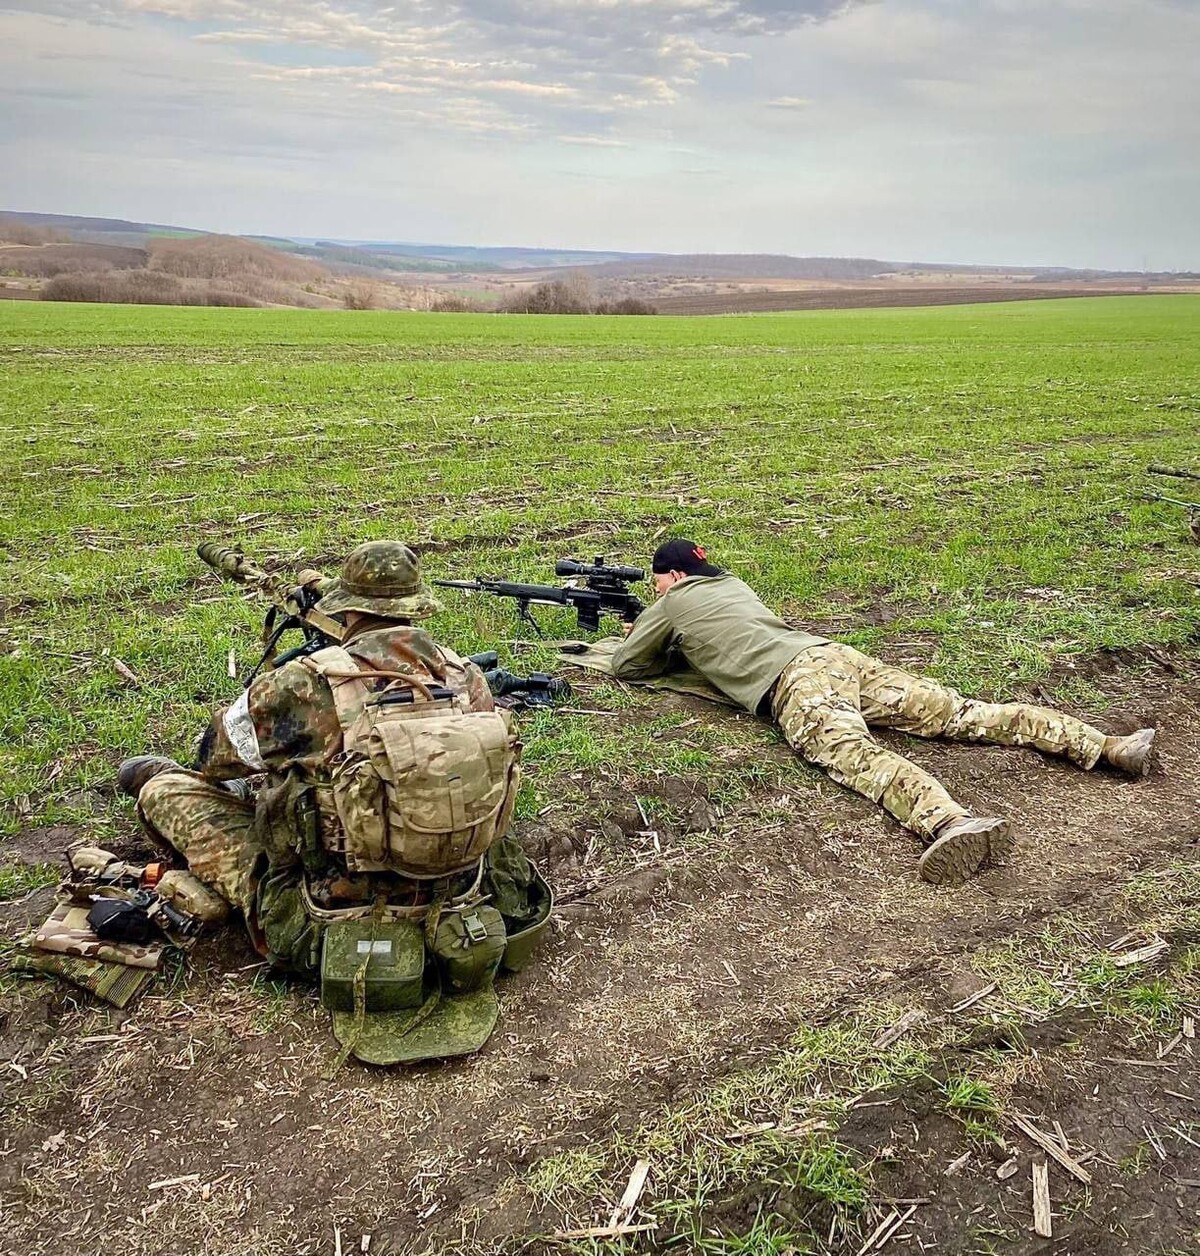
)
(212, 828)
(893, 698)
(816, 705)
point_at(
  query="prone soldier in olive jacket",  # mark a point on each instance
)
(823, 695)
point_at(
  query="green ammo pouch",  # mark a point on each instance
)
(394, 954)
(522, 943)
(467, 947)
(515, 886)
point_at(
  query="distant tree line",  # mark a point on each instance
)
(139, 287)
(231, 271)
(572, 294)
(200, 270)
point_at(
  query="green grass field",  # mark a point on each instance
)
(971, 470)
(955, 486)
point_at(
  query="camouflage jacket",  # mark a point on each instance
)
(286, 720)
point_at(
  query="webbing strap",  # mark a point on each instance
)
(458, 805)
(360, 1004)
(350, 692)
(405, 677)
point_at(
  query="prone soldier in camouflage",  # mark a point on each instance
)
(256, 820)
(823, 695)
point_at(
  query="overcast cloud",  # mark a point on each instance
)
(1025, 131)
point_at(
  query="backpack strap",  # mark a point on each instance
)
(349, 681)
(450, 659)
(346, 682)
(435, 667)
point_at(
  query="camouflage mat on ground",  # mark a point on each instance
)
(67, 932)
(597, 657)
(117, 984)
(66, 947)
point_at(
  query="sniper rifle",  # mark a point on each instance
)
(603, 591)
(293, 604)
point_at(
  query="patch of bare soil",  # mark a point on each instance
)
(864, 296)
(42, 845)
(1127, 1120)
(205, 1120)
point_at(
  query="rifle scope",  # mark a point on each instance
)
(598, 570)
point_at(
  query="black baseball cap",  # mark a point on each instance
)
(685, 556)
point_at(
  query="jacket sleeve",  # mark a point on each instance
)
(649, 648)
(287, 716)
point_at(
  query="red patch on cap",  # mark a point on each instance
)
(698, 550)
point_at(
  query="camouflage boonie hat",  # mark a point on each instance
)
(381, 578)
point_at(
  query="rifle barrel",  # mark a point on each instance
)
(230, 562)
(1180, 473)
(288, 596)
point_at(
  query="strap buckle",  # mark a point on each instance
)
(475, 929)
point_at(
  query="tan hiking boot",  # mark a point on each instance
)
(1131, 754)
(134, 773)
(963, 846)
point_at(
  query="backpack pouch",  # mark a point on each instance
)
(361, 803)
(468, 946)
(449, 781)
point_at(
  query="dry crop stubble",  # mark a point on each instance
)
(950, 486)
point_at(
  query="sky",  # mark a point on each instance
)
(1035, 132)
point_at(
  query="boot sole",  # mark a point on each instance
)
(1138, 764)
(1001, 843)
(952, 859)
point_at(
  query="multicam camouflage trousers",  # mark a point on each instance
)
(829, 693)
(211, 828)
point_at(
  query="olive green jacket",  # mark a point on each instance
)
(720, 628)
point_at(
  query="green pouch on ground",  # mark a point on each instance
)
(510, 883)
(393, 953)
(467, 947)
(290, 938)
(382, 1020)
(522, 944)
(516, 888)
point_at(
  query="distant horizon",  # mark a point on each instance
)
(359, 241)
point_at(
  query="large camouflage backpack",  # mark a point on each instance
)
(422, 787)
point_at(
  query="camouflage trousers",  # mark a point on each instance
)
(211, 828)
(829, 693)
